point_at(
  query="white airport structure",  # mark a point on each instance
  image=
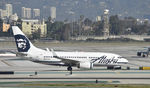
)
(106, 23)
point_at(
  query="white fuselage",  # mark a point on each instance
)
(79, 59)
(97, 58)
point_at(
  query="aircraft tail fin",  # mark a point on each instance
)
(22, 42)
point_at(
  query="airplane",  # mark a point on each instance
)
(86, 60)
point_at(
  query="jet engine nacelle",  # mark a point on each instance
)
(113, 67)
(87, 65)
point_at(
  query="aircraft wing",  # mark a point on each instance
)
(16, 58)
(19, 56)
(66, 61)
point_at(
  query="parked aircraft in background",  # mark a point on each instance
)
(144, 53)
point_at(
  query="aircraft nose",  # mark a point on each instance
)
(125, 60)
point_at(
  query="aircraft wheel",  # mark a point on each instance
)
(110, 67)
(69, 68)
(138, 53)
(143, 55)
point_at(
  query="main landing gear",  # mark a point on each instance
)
(69, 69)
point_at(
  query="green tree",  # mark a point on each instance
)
(49, 24)
(36, 34)
(19, 23)
(87, 22)
(55, 30)
(114, 25)
(98, 28)
(1, 25)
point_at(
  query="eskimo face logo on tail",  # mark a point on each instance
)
(22, 43)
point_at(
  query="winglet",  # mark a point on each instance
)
(47, 49)
(54, 54)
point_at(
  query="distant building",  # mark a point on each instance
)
(6, 27)
(3, 13)
(142, 21)
(36, 13)
(53, 13)
(9, 10)
(6, 13)
(14, 17)
(45, 12)
(26, 13)
(23, 12)
(98, 18)
(87, 28)
(30, 26)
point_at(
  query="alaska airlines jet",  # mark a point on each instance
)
(80, 59)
